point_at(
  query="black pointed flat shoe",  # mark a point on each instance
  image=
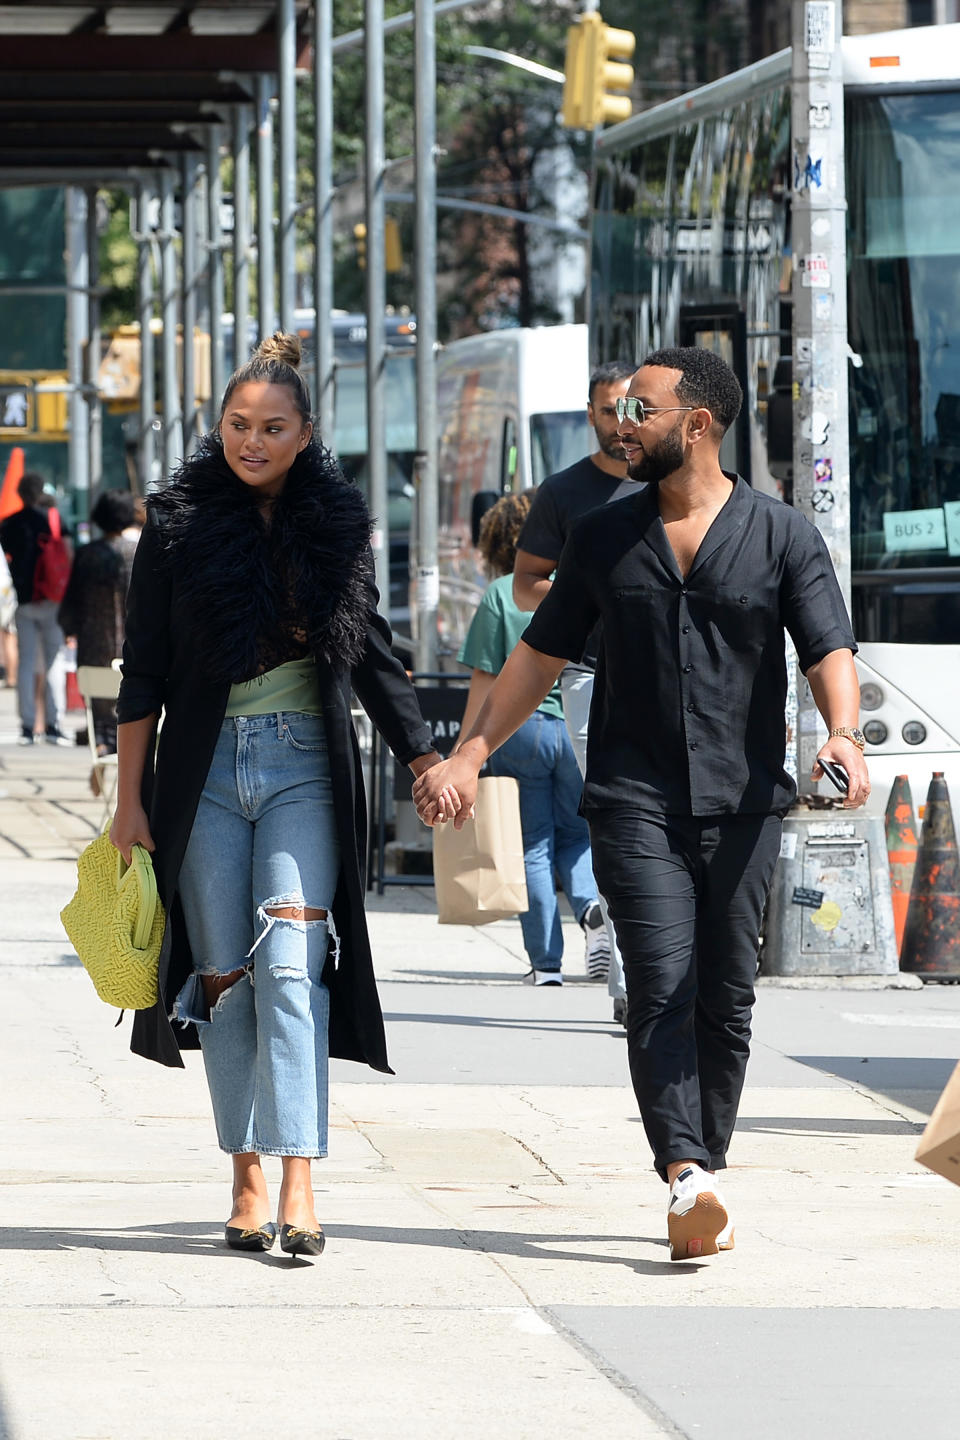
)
(261, 1237)
(294, 1241)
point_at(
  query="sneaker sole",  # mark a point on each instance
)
(726, 1244)
(695, 1234)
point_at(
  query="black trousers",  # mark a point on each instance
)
(686, 895)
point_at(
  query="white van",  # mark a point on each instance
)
(511, 410)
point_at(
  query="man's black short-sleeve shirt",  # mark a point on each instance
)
(558, 504)
(688, 704)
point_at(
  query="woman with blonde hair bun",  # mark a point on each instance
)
(252, 616)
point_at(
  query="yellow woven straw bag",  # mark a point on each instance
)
(115, 923)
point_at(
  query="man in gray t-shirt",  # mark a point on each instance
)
(559, 503)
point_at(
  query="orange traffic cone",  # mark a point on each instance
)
(901, 851)
(10, 501)
(931, 941)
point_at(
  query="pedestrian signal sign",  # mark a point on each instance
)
(16, 409)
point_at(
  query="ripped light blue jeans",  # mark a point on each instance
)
(264, 838)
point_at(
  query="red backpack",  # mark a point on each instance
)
(52, 570)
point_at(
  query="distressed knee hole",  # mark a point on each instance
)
(216, 986)
(306, 913)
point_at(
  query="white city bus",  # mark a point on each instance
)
(691, 245)
(511, 410)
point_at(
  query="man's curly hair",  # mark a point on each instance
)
(500, 530)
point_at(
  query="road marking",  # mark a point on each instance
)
(915, 1022)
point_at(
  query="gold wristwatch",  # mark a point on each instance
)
(850, 733)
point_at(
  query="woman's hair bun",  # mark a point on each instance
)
(282, 346)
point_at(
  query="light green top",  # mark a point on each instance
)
(494, 631)
(294, 685)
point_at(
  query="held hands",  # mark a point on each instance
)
(843, 752)
(447, 792)
(129, 828)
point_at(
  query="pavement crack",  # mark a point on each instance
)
(539, 1159)
(93, 1076)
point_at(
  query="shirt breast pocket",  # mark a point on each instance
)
(631, 629)
(745, 617)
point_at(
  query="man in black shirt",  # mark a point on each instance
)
(559, 502)
(694, 580)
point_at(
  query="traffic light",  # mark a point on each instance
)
(392, 249)
(360, 240)
(594, 67)
(53, 405)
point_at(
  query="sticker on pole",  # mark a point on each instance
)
(816, 271)
(818, 25)
(428, 587)
(812, 899)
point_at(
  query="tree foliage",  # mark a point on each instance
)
(497, 129)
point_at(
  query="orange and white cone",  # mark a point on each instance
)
(901, 851)
(931, 941)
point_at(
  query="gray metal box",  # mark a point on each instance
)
(829, 911)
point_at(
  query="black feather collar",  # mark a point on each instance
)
(256, 594)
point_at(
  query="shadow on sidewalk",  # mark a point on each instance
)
(490, 1022)
(199, 1238)
(823, 1125)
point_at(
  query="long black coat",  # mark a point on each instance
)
(167, 661)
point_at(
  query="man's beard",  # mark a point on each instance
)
(611, 446)
(661, 462)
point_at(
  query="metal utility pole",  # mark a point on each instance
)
(242, 124)
(425, 289)
(821, 452)
(287, 54)
(92, 353)
(215, 267)
(266, 297)
(323, 215)
(146, 435)
(189, 251)
(78, 281)
(169, 389)
(376, 295)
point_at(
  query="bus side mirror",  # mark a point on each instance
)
(483, 501)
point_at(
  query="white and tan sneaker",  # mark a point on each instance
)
(696, 1215)
(725, 1238)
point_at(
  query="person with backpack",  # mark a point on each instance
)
(39, 560)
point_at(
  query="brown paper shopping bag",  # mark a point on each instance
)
(478, 871)
(939, 1147)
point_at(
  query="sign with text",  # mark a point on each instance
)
(915, 530)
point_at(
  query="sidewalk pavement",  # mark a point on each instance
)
(496, 1262)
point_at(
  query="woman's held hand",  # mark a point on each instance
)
(447, 792)
(129, 828)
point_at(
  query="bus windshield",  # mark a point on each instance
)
(557, 439)
(904, 333)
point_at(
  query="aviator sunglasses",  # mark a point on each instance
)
(630, 408)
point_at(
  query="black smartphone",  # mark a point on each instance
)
(836, 775)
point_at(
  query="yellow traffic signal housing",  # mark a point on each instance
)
(393, 250)
(574, 79)
(52, 405)
(360, 240)
(594, 67)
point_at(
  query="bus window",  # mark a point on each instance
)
(557, 440)
(903, 326)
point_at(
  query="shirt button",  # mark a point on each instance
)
(687, 669)
(684, 629)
